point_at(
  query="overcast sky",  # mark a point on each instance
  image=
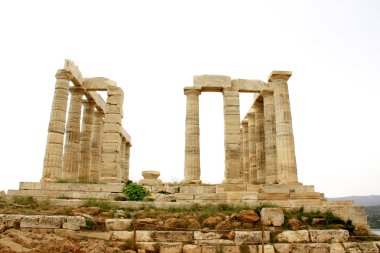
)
(152, 49)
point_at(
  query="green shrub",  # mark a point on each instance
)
(135, 192)
(26, 201)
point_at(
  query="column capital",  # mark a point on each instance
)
(192, 90)
(279, 75)
(76, 90)
(244, 121)
(63, 74)
(266, 93)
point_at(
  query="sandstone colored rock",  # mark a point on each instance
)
(150, 174)
(198, 235)
(118, 224)
(190, 248)
(172, 236)
(211, 221)
(170, 247)
(251, 237)
(267, 249)
(300, 236)
(272, 217)
(329, 236)
(40, 221)
(248, 216)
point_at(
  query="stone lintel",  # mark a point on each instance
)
(279, 75)
(192, 90)
(77, 77)
(249, 86)
(265, 93)
(212, 82)
(100, 104)
(98, 83)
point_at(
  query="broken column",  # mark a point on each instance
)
(259, 140)
(54, 147)
(286, 159)
(231, 135)
(71, 158)
(245, 153)
(270, 137)
(192, 149)
(96, 145)
(110, 166)
(85, 140)
(252, 172)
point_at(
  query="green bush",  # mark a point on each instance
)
(135, 192)
(26, 201)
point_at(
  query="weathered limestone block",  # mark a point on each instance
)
(74, 223)
(329, 236)
(273, 196)
(172, 236)
(272, 216)
(190, 248)
(361, 247)
(10, 220)
(212, 82)
(357, 215)
(299, 236)
(148, 246)
(230, 249)
(267, 249)
(41, 221)
(197, 189)
(211, 249)
(198, 235)
(118, 224)
(106, 236)
(170, 247)
(306, 195)
(251, 237)
(122, 236)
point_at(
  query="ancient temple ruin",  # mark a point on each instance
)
(260, 148)
(87, 143)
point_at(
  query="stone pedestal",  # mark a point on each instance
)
(96, 145)
(231, 135)
(85, 140)
(150, 178)
(54, 147)
(270, 138)
(252, 172)
(110, 166)
(192, 149)
(71, 158)
(260, 140)
(286, 159)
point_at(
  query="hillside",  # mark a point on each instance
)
(372, 200)
(373, 213)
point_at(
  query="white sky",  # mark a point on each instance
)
(152, 49)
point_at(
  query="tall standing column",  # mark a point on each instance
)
(252, 172)
(260, 140)
(125, 174)
(122, 157)
(110, 167)
(245, 153)
(54, 147)
(96, 145)
(192, 149)
(270, 137)
(72, 148)
(85, 140)
(231, 135)
(286, 158)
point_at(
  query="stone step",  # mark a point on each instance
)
(62, 194)
(115, 187)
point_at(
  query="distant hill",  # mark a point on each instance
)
(372, 200)
(373, 213)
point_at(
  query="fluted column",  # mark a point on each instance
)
(122, 156)
(252, 172)
(125, 172)
(192, 149)
(85, 140)
(72, 144)
(286, 159)
(270, 137)
(54, 147)
(96, 145)
(260, 140)
(231, 135)
(110, 166)
(245, 153)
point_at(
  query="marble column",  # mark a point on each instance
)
(231, 135)
(286, 159)
(54, 147)
(245, 153)
(122, 157)
(72, 144)
(260, 140)
(96, 145)
(110, 166)
(85, 140)
(270, 137)
(252, 172)
(125, 174)
(192, 149)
